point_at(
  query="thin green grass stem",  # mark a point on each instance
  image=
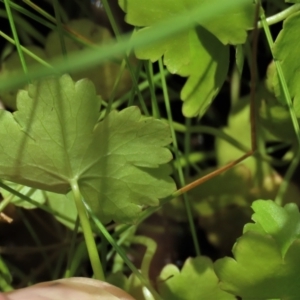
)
(121, 239)
(193, 159)
(40, 11)
(72, 249)
(89, 57)
(120, 251)
(29, 14)
(79, 256)
(33, 202)
(177, 157)
(65, 30)
(60, 28)
(151, 247)
(88, 234)
(29, 53)
(279, 16)
(16, 270)
(26, 26)
(36, 239)
(16, 38)
(295, 161)
(7, 200)
(150, 78)
(59, 264)
(115, 88)
(5, 277)
(129, 66)
(187, 145)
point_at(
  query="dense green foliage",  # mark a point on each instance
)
(90, 134)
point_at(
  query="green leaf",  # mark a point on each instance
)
(197, 280)
(231, 28)
(286, 50)
(196, 54)
(282, 223)
(206, 71)
(258, 270)
(54, 139)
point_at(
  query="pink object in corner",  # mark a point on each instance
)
(76, 288)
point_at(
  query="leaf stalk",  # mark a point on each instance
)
(88, 234)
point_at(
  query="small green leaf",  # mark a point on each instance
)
(119, 163)
(282, 223)
(207, 70)
(197, 280)
(258, 270)
(286, 50)
(196, 53)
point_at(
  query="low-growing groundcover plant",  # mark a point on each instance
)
(103, 135)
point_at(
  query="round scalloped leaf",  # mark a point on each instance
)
(196, 53)
(282, 223)
(258, 270)
(119, 163)
(230, 28)
(206, 72)
(197, 280)
(286, 50)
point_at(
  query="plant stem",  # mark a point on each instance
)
(60, 28)
(29, 53)
(16, 38)
(159, 32)
(180, 172)
(120, 251)
(280, 16)
(289, 103)
(72, 249)
(88, 234)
